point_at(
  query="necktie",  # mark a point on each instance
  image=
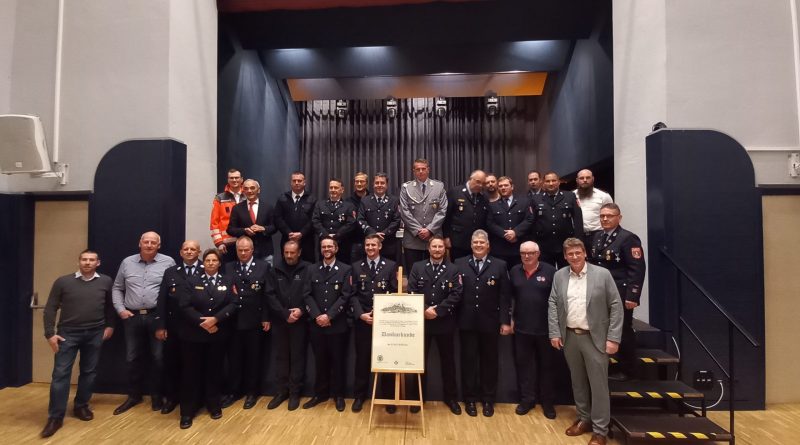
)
(190, 271)
(327, 269)
(252, 212)
(605, 238)
(243, 267)
(510, 200)
(296, 199)
(478, 265)
(212, 281)
(372, 267)
(423, 188)
(435, 268)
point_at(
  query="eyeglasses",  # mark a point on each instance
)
(606, 216)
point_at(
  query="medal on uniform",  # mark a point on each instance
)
(199, 287)
(336, 286)
(491, 282)
(172, 290)
(222, 287)
(255, 286)
(341, 218)
(435, 206)
(608, 255)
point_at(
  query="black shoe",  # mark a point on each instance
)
(186, 422)
(227, 400)
(488, 409)
(157, 403)
(618, 376)
(277, 400)
(294, 402)
(129, 403)
(455, 408)
(391, 409)
(358, 403)
(314, 401)
(469, 407)
(413, 409)
(549, 411)
(215, 414)
(83, 413)
(53, 425)
(523, 408)
(169, 406)
(340, 405)
(250, 401)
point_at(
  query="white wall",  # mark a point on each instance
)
(7, 29)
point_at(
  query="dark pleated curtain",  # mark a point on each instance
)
(465, 139)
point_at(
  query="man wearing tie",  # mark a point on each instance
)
(375, 274)
(423, 207)
(485, 306)
(293, 212)
(253, 218)
(335, 218)
(379, 214)
(467, 209)
(510, 220)
(557, 216)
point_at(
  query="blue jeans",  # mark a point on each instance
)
(88, 342)
(140, 341)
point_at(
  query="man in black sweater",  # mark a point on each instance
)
(86, 320)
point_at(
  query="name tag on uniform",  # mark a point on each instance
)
(199, 287)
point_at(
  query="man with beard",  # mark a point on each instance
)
(510, 220)
(557, 216)
(293, 212)
(254, 218)
(534, 184)
(331, 290)
(360, 192)
(221, 214)
(288, 286)
(591, 199)
(466, 212)
(490, 187)
(438, 279)
(168, 316)
(379, 214)
(375, 274)
(335, 218)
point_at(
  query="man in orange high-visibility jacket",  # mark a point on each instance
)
(221, 213)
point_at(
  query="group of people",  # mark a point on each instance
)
(193, 317)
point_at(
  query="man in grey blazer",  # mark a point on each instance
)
(423, 206)
(585, 319)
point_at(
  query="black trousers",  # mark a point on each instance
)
(445, 343)
(626, 355)
(457, 252)
(290, 341)
(244, 361)
(330, 353)
(479, 362)
(554, 258)
(511, 260)
(533, 356)
(361, 389)
(201, 374)
(171, 378)
(411, 256)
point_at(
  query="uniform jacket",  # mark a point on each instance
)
(420, 210)
(464, 216)
(202, 299)
(366, 285)
(174, 282)
(556, 219)
(603, 306)
(486, 302)
(291, 217)
(330, 294)
(287, 290)
(623, 256)
(330, 219)
(374, 217)
(221, 214)
(240, 220)
(250, 285)
(517, 217)
(441, 289)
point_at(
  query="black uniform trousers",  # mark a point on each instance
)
(533, 356)
(554, 258)
(457, 252)
(411, 256)
(445, 344)
(511, 260)
(363, 337)
(201, 374)
(171, 379)
(289, 340)
(245, 361)
(330, 352)
(626, 355)
(479, 362)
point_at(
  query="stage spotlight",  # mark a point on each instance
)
(658, 126)
(341, 109)
(391, 107)
(441, 106)
(491, 105)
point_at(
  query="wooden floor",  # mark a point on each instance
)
(23, 413)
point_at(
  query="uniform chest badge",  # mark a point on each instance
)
(336, 286)
(541, 279)
(222, 288)
(199, 287)
(341, 218)
(608, 255)
(435, 205)
(491, 282)
(172, 290)
(255, 286)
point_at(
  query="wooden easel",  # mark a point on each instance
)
(399, 381)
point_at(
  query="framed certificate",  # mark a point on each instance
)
(398, 333)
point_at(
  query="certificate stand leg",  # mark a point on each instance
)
(399, 387)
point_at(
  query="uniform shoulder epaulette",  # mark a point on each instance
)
(408, 183)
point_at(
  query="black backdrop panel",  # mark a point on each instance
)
(703, 206)
(140, 185)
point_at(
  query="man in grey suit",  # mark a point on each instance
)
(423, 206)
(585, 319)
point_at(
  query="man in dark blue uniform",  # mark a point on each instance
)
(509, 222)
(467, 209)
(335, 218)
(620, 251)
(293, 212)
(557, 216)
(379, 214)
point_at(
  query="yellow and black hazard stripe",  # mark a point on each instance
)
(653, 395)
(679, 435)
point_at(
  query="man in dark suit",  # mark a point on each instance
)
(331, 290)
(509, 222)
(248, 276)
(288, 287)
(467, 209)
(168, 318)
(293, 212)
(557, 216)
(379, 214)
(620, 251)
(534, 184)
(438, 279)
(585, 319)
(254, 219)
(375, 274)
(486, 304)
(335, 218)
(360, 192)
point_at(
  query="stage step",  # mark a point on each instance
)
(653, 390)
(650, 337)
(669, 428)
(652, 357)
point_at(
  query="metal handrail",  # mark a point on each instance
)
(703, 345)
(711, 299)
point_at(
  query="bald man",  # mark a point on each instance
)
(467, 209)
